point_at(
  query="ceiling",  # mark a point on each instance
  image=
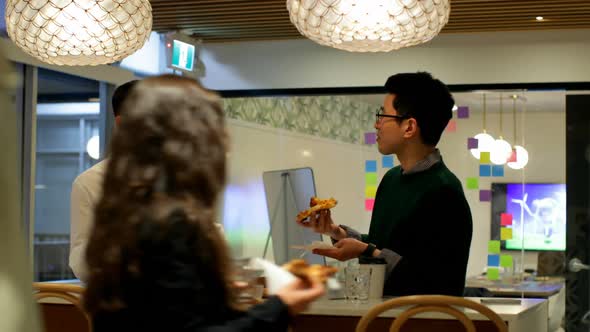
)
(249, 20)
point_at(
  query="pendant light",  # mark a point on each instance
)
(501, 150)
(79, 32)
(522, 155)
(484, 140)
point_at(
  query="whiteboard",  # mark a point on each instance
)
(339, 172)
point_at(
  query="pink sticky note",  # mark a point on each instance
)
(369, 203)
(452, 126)
(506, 219)
(512, 158)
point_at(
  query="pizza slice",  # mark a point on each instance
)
(316, 204)
(312, 273)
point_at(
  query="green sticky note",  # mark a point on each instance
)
(493, 273)
(505, 260)
(506, 233)
(484, 158)
(472, 183)
(371, 179)
(370, 191)
(494, 247)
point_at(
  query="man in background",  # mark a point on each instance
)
(421, 223)
(86, 191)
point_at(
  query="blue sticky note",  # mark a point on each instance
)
(498, 170)
(387, 161)
(371, 166)
(493, 260)
(485, 170)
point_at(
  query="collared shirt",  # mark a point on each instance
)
(390, 256)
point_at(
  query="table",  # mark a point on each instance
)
(342, 316)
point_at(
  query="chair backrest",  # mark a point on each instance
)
(67, 292)
(429, 303)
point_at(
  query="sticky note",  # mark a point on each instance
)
(452, 126)
(493, 273)
(387, 161)
(371, 166)
(485, 170)
(369, 203)
(485, 195)
(472, 143)
(472, 183)
(512, 158)
(497, 170)
(370, 138)
(506, 219)
(463, 112)
(371, 179)
(505, 233)
(494, 247)
(370, 191)
(506, 261)
(484, 157)
(493, 260)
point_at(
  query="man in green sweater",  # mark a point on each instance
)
(421, 223)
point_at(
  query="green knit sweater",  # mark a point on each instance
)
(425, 218)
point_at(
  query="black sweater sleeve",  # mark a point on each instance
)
(272, 315)
(434, 246)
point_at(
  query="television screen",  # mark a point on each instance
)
(538, 215)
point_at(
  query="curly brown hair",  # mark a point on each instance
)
(154, 237)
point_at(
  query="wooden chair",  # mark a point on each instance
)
(429, 303)
(67, 292)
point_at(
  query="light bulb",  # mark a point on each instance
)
(501, 151)
(93, 147)
(484, 143)
(522, 158)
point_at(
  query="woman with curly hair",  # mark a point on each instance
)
(156, 260)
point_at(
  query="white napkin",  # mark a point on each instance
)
(276, 276)
(315, 245)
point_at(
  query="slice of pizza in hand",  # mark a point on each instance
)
(316, 204)
(310, 273)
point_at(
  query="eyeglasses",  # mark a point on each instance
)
(380, 115)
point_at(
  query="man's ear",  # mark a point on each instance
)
(117, 120)
(411, 128)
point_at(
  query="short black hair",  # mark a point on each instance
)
(120, 94)
(424, 98)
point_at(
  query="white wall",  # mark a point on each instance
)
(544, 134)
(548, 56)
(339, 172)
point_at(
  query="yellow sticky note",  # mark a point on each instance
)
(371, 179)
(493, 273)
(506, 233)
(484, 158)
(370, 191)
(505, 260)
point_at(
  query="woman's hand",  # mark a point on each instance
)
(299, 294)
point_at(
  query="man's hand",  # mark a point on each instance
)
(346, 249)
(321, 222)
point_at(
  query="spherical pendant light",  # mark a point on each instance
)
(484, 143)
(501, 151)
(369, 25)
(79, 32)
(522, 158)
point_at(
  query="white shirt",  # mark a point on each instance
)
(86, 191)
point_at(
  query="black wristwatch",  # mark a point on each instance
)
(369, 251)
